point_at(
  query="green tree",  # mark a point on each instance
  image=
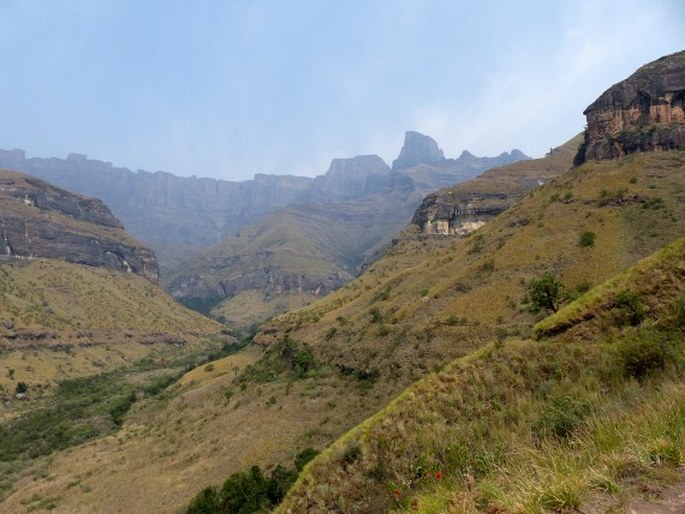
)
(546, 293)
(206, 502)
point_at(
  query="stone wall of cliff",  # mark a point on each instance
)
(645, 112)
(40, 220)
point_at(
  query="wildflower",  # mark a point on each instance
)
(438, 475)
(396, 492)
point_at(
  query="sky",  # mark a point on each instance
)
(231, 88)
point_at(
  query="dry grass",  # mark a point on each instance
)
(427, 302)
(70, 320)
(523, 426)
(249, 308)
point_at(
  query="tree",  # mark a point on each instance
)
(546, 293)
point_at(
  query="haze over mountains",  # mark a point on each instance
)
(277, 242)
(174, 215)
(518, 348)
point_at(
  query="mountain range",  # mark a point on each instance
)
(517, 348)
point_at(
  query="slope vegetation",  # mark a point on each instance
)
(430, 300)
(525, 426)
(61, 320)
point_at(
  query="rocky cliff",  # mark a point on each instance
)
(179, 216)
(645, 112)
(463, 208)
(40, 220)
(417, 149)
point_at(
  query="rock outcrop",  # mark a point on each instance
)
(417, 149)
(353, 177)
(645, 112)
(463, 208)
(178, 216)
(40, 220)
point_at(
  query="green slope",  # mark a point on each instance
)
(524, 426)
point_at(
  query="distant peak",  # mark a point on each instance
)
(417, 149)
(466, 155)
(361, 165)
(518, 155)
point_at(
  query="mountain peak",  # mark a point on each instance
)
(417, 149)
(359, 166)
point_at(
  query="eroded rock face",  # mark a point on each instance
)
(645, 112)
(40, 220)
(458, 214)
(417, 149)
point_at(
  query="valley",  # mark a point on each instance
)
(495, 335)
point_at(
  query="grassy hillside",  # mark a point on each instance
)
(526, 426)
(289, 258)
(326, 368)
(436, 298)
(60, 320)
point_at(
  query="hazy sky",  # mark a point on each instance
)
(231, 88)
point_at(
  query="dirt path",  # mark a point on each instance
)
(672, 501)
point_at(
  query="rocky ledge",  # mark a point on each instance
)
(40, 220)
(645, 112)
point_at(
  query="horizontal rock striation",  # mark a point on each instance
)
(463, 208)
(458, 214)
(645, 112)
(40, 220)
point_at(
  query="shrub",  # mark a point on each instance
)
(630, 309)
(545, 293)
(561, 416)
(644, 353)
(206, 502)
(352, 453)
(587, 239)
(302, 458)
(21, 388)
(250, 491)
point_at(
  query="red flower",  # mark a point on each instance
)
(396, 492)
(438, 475)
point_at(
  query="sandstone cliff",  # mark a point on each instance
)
(179, 216)
(417, 149)
(40, 220)
(645, 112)
(463, 208)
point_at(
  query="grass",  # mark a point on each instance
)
(528, 425)
(646, 277)
(214, 427)
(69, 320)
(91, 407)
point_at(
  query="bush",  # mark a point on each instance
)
(302, 458)
(630, 309)
(207, 501)
(644, 353)
(21, 388)
(250, 491)
(545, 293)
(561, 416)
(587, 239)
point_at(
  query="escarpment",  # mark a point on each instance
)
(463, 208)
(645, 112)
(40, 220)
